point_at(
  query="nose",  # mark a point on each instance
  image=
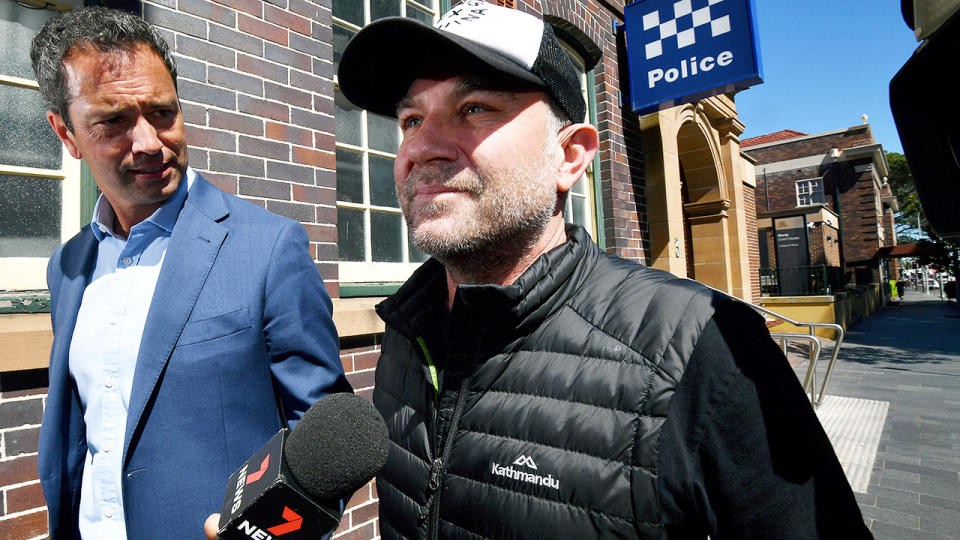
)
(433, 140)
(145, 137)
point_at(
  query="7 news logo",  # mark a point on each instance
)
(292, 522)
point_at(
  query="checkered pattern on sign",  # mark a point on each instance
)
(683, 25)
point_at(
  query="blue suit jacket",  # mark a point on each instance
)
(239, 337)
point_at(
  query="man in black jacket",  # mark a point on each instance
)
(533, 386)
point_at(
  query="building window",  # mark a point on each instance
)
(373, 241)
(39, 181)
(810, 192)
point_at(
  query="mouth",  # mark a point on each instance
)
(434, 189)
(150, 172)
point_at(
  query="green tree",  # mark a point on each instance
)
(942, 253)
(903, 188)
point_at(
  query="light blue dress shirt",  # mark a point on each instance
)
(105, 346)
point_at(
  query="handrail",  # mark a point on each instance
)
(814, 356)
(810, 380)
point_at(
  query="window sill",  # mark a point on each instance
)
(356, 317)
(25, 339)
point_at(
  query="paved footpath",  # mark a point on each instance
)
(908, 354)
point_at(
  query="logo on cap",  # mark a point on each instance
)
(683, 25)
(462, 13)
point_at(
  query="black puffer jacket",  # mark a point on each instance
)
(558, 387)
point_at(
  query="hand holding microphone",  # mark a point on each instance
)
(292, 487)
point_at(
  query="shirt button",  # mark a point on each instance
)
(127, 261)
(108, 512)
(109, 382)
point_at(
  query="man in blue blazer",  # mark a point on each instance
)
(189, 326)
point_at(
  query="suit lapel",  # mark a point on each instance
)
(192, 251)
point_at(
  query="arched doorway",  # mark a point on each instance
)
(703, 204)
(695, 200)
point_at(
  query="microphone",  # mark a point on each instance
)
(292, 487)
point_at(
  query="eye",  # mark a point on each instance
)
(410, 122)
(474, 108)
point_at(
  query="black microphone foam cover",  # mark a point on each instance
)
(339, 444)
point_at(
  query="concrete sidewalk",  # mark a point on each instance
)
(905, 360)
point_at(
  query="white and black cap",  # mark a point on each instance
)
(381, 61)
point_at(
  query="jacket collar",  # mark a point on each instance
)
(509, 309)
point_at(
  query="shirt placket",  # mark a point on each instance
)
(112, 408)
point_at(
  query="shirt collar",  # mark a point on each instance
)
(164, 217)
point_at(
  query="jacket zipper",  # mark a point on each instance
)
(440, 464)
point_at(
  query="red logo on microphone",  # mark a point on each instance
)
(253, 477)
(292, 523)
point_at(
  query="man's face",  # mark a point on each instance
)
(477, 167)
(127, 126)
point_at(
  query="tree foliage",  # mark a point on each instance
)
(943, 253)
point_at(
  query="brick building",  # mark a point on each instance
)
(266, 121)
(823, 200)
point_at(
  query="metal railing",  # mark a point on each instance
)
(810, 379)
(801, 280)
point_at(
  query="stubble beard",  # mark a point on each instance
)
(510, 211)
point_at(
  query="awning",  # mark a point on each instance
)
(902, 250)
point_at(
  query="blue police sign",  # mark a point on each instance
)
(682, 51)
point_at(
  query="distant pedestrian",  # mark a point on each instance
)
(900, 286)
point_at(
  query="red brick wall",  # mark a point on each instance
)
(621, 159)
(22, 509)
(771, 248)
(861, 218)
(824, 248)
(256, 83)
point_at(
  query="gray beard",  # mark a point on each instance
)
(501, 234)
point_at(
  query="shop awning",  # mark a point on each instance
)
(902, 250)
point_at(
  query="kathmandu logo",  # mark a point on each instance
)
(687, 18)
(525, 461)
(530, 478)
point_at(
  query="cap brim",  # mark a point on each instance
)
(380, 62)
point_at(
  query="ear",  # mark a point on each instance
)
(60, 128)
(579, 143)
